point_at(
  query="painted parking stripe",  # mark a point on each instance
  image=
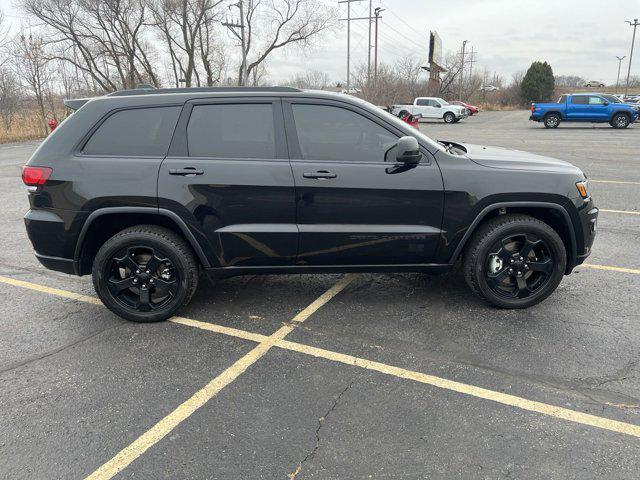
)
(625, 212)
(156, 433)
(610, 269)
(277, 339)
(614, 182)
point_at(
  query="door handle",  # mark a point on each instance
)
(187, 171)
(321, 175)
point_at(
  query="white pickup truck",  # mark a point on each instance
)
(433, 107)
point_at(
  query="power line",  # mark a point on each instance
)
(406, 23)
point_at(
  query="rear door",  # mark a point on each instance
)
(578, 108)
(228, 175)
(353, 207)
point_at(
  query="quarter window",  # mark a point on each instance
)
(139, 132)
(232, 131)
(336, 134)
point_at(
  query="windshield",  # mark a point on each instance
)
(611, 98)
(442, 101)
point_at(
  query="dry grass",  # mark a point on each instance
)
(25, 126)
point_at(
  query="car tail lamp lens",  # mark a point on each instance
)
(533, 107)
(583, 188)
(35, 176)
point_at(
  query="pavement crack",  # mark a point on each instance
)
(321, 421)
(55, 351)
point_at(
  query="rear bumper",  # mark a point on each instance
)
(64, 265)
(535, 118)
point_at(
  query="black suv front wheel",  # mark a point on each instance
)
(514, 261)
(145, 273)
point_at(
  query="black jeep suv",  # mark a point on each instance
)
(144, 188)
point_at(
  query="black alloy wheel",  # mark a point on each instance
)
(519, 266)
(145, 273)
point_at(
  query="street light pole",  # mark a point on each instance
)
(619, 65)
(634, 24)
(464, 44)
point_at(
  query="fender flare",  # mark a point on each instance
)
(149, 210)
(495, 206)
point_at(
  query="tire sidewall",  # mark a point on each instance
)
(105, 256)
(449, 117)
(614, 121)
(557, 250)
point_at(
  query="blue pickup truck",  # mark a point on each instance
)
(585, 107)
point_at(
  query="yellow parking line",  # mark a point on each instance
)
(611, 269)
(277, 339)
(625, 212)
(156, 433)
(52, 291)
(471, 390)
(620, 182)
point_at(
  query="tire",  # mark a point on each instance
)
(449, 117)
(552, 120)
(620, 120)
(488, 261)
(137, 293)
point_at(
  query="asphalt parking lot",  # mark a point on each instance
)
(379, 376)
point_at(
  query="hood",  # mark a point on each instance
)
(497, 157)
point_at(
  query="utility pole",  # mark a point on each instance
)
(375, 58)
(619, 65)
(348, 20)
(231, 25)
(464, 44)
(369, 48)
(472, 61)
(634, 24)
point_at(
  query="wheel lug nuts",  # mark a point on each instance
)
(151, 281)
(135, 280)
(147, 272)
(137, 271)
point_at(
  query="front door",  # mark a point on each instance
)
(228, 175)
(353, 207)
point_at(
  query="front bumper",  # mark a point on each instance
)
(588, 216)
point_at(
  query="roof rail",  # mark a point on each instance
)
(150, 90)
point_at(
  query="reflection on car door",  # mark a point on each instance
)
(228, 173)
(353, 208)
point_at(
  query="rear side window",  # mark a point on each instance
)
(340, 135)
(139, 132)
(422, 102)
(232, 131)
(580, 100)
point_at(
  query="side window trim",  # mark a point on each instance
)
(78, 149)
(179, 146)
(292, 134)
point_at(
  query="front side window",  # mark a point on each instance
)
(139, 132)
(242, 130)
(596, 100)
(336, 134)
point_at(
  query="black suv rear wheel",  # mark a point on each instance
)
(514, 261)
(145, 273)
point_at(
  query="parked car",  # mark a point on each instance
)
(593, 83)
(583, 107)
(144, 189)
(408, 118)
(470, 108)
(433, 107)
(489, 88)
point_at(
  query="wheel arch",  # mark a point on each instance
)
(556, 112)
(617, 112)
(552, 214)
(105, 222)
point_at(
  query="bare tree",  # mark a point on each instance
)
(185, 27)
(31, 65)
(104, 39)
(10, 96)
(311, 79)
(270, 25)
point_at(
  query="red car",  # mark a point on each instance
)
(472, 109)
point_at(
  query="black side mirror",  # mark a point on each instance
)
(408, 151)
(437, 105)
(606, 104)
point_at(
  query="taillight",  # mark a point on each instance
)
(533, 107)
(35, 176)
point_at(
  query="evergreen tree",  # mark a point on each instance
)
(538, 83)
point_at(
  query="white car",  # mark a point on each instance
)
(433, 107)
(489, 88)
(593, 83)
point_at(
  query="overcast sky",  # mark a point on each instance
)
(577, 37)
